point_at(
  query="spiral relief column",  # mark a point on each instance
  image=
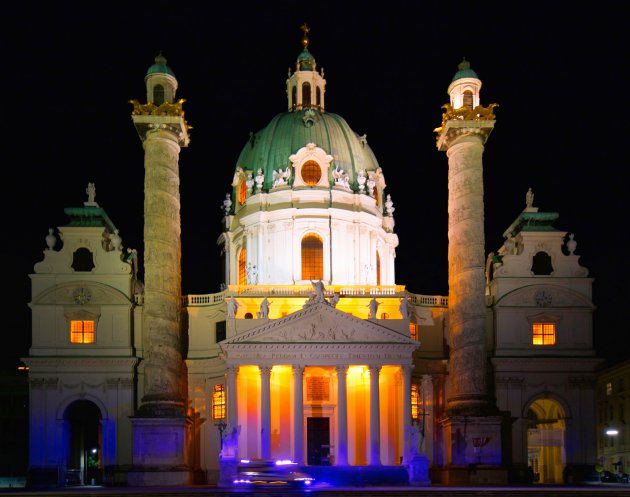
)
(471, 415)
(161, 425)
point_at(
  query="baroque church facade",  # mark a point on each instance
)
(311, 351)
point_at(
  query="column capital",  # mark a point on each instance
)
(265, 370)
(375, 368)
(341, 368)
(298, 369)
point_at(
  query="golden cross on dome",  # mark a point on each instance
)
(305, 29)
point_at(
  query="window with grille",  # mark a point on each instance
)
(311, 172)
(416, 404)
(218, 402)
(543, 333)
(242, 270)
(81, 331)
(312, 257)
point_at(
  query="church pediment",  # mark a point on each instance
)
(319, 334)
(320, 323)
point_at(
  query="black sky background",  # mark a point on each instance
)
(556, 70)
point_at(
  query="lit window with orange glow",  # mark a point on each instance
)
(242, 272)
(416, 405)
(81, 331)
(543, 333)
(218, 402)
(242, 192)
(413, 331)
(311, 172)
(312, 257)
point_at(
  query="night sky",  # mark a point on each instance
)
(69, 70)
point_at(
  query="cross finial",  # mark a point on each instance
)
(305, 29)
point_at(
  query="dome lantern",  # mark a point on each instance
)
(161, 82)
(465, 87)
(306, 86)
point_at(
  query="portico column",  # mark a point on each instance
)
(265, 412)
(375, 419)
(232, 414)
(427, 419)
(406, 374)
(342, 416)
(298, 414)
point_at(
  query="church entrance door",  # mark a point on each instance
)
(318, 441)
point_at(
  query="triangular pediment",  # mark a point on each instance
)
(319, 331)
(320, 323)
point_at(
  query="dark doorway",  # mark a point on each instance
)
(83, 422)
(318, 441)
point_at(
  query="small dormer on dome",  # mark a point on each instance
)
(161, 82)
(306, 86)
(465, 87)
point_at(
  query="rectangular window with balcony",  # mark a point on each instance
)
(81, 331)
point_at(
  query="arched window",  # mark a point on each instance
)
(541, 264)
(242, 192)
(306, 94)
(158, 94)
(293, 97)
(312, 257)
(218, 402)
(318, 97)
(378, 269)
(468, 99)
(242, 272)
(311, 172)
(83, 260)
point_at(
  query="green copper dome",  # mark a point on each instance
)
(270, 148)
(160, 67)
(464, 71)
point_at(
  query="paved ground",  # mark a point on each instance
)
(606, 490)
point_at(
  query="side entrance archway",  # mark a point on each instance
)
(545, 440)
(83, 440)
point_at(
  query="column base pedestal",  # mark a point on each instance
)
(419, 471)
(160, 452)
